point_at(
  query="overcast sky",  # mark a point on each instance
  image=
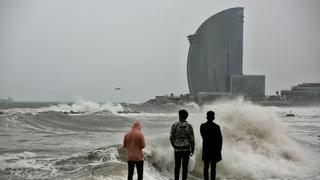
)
(62, 50)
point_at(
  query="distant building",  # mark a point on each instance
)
(183, 98)
(248, 85)
(303, 92)
(215, 63)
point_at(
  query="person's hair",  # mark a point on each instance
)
(136, 125)
(183, 114)
(210, 115)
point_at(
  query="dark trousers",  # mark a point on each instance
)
(139, 165)
(206, 169)
(184, 157)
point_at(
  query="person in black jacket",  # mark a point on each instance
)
(211, 145)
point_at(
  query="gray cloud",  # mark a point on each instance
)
(59, 50)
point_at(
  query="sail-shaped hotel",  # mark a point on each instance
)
(215, 64)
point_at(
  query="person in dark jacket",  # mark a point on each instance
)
(182, 140)
(211, 145)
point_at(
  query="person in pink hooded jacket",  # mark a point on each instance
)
(134, 143)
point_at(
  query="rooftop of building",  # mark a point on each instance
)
(308, 85)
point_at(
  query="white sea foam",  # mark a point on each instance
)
(79, 106)
(20, 164)
(192, 105)
(256, 144)
(23, 159)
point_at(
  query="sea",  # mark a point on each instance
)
(47, 141)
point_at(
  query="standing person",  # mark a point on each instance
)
(182, 140)
(211, 145)
(134, 142)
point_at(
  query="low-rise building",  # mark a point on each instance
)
(252, 86)
(303, 92)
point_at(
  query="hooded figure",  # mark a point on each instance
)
(134, 143)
